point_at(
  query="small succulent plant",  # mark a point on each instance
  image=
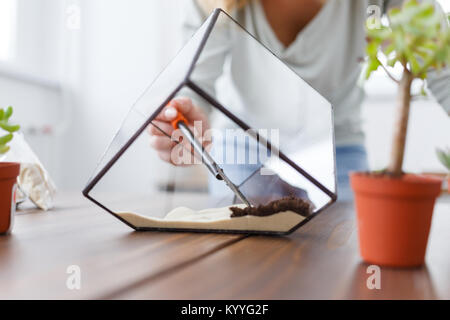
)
(5, 114)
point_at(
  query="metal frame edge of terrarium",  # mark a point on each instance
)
(191, 84)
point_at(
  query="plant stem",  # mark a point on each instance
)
(389, 74)
(401, 124)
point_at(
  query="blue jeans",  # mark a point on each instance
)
(348, 158)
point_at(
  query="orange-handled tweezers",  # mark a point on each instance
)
(180, 122)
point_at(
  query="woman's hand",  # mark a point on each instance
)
(168, 148)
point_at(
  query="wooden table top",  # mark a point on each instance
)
(318, 261)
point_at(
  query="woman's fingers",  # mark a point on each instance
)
(185, 106)
(170, 111)
(191, 112)
(159, 128)
(165, 156)
(161, 143)
(167, 114)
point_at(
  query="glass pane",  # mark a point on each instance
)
(269, 141)
(266, 94)
(155, 95)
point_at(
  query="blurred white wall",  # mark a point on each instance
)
(78, 80)
(72, 81)
(123, 45)
(428, 128)
(30, 66)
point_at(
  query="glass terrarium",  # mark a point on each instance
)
(271, 141)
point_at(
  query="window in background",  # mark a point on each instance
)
(445, 5)
(7, 28)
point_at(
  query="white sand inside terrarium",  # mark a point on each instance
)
(216, 219)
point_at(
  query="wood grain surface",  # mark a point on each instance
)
(320, 260)
(113, 258)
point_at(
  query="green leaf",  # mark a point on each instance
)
(394, 12)
(6, 138)
(379, 34)
(423, 92)
(392, 62)
(414, 64)
(5, 114)
(426, 11)
(8, 112)
(423, 55)
(372, 65)
(400, 44)
(410, 3)
(4, 149)
(429, 45)
(372, 48)
(389, 49)
(9, 127)
(444, 157)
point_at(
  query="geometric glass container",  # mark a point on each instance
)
(287, 152)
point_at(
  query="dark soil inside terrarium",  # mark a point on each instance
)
(294, 204)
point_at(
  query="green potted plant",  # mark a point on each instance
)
(8, 173)
(394, 209)
(444, 158)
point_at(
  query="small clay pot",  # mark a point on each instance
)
(448, 184)
(8, 177)
(394, 217)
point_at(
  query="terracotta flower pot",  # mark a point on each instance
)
(394, 217)
(8, 176)
(448, 184)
